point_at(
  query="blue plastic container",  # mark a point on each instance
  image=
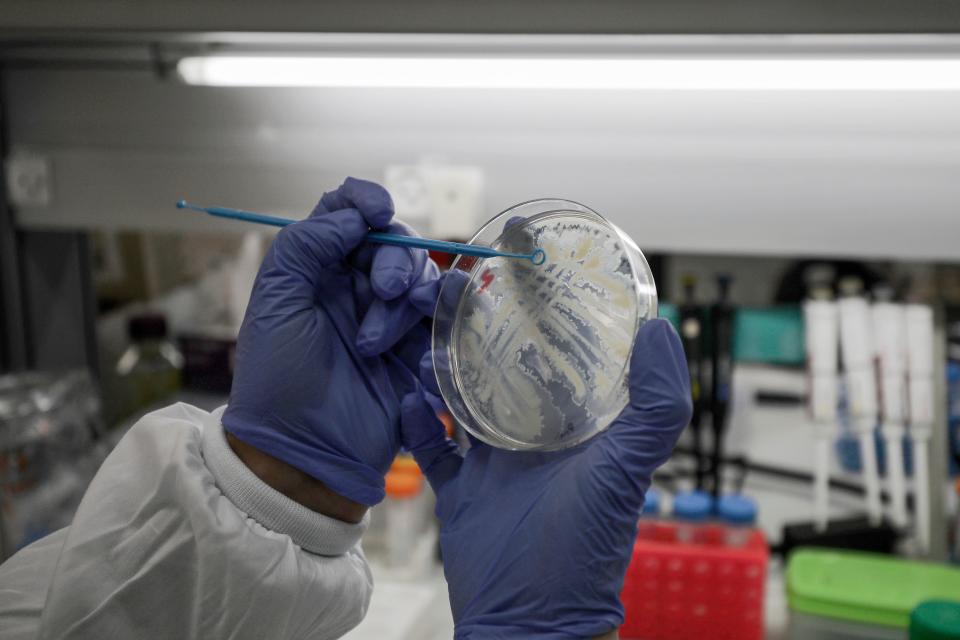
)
(651, 504)
(739, 514)
(691, 510)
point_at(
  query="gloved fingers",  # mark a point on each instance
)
(430, 362)
(512, 221)
(310, 245)
(414, 346)
(384, 324)
(395, 269)
(363, 295)
(330, 201)
(388, 319)
(422, 433)
(402, 380)
(437, 404)
(428, 376)
(361, 258)
(369, 198)
(442, 294)
(420, 429)
(659, 379)
(644, 434)
(423, 295)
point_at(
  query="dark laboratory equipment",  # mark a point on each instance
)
(691, 334)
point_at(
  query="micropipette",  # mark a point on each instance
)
(920, 368)
(538, 257)
(889, 326)
(822, 340)
(857, 354)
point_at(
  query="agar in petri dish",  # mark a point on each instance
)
(536, 357)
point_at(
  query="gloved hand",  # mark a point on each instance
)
(537, 544)
(331, 343)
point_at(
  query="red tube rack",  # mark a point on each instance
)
(677, 590)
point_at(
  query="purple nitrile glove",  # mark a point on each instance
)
(331, 343)
(535, 545)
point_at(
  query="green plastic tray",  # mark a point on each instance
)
(865, 587)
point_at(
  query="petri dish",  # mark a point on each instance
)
(532, 357)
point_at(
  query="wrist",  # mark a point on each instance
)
(295, 484)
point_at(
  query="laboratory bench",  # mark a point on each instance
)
(405, 608)
(420, 609)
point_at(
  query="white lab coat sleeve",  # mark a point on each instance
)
(176, 538)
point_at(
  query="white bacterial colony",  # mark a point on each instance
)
(542, 351)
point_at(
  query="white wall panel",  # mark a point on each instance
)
(874, 174)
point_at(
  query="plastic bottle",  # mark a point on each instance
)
(739, 514)
(691, 511)
(651, 510)
(375, 538)
(149, 370)
(403, 516)
(935, 620)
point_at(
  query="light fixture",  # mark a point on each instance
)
(704, 73)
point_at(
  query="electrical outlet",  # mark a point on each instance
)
(408, 188)
(457, 195)
(29, 180)
(443, 200)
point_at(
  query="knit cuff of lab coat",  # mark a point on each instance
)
(312, 531)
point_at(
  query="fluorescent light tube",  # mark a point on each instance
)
(783, 74)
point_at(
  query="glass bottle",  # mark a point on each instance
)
(149, 370)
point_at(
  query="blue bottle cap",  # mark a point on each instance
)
(693, 505)
(651, 503)
(708, 496)
(737, 509)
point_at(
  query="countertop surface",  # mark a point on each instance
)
(420, 609)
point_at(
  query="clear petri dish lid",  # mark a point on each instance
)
(532, 357)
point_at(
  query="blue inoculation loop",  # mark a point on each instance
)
(538, 257)
(237, 214)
